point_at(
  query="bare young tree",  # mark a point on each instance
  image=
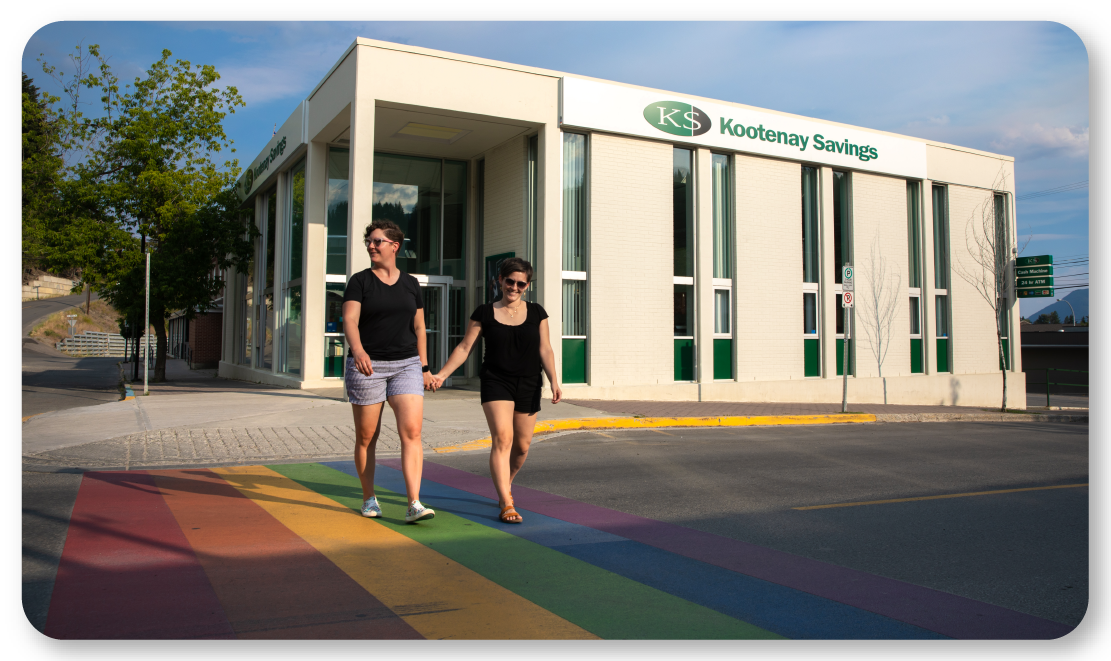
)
(878, 305)
(987, 263)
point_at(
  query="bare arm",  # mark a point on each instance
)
(461, 351)
(547, 360)
(422, 346)
(351, 310)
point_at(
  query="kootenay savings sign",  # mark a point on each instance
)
(604, 107)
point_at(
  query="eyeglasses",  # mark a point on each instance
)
(377, 242)
(516, 284)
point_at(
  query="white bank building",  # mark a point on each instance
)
(685, 248)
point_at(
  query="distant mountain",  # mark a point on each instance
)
(1079, 300)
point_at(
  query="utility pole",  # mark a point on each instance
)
(146, 325)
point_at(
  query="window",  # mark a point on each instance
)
(941, 318)
(915, 332)
(842, 224)
(941, 277)
(407, 191)
(723, 267)
(1002, 264)
(683, 261)
(291, 331)
(455, 220)
(914, 236)
(840, 334)
(246, 314)
(531, 211)
(574, 258)
(264, 318)
(810, 273)
(338, 198)
(333, 327)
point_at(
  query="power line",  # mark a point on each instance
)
(1077, 185)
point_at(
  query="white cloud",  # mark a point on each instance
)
(1038, 140)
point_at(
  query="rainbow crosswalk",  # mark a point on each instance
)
(281, 552)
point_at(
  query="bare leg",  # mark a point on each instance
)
(523, 425)
(368, 425)
(499, 415)
(409, 411)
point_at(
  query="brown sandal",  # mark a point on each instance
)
(507, 512)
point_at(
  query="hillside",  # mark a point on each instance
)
(1079, 300)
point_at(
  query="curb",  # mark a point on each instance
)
(585, 424)
(980, 417)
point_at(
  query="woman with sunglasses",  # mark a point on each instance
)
(517, 348)
(383, 320)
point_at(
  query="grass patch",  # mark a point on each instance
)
(102, 318)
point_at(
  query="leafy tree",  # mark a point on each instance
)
(1068, 319)
(42, 169)
(1054, 318)
(144, 175)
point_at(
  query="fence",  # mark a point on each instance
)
(91, 343)
(1049, 383)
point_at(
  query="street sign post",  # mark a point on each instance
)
(72, 319)
(1034, 276)
(847, 303)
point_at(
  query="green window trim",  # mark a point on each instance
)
(916, 355)
(942, 354)
(841, 357)
(723, 358)
(574, 360)
(812, 357)
(684, 359)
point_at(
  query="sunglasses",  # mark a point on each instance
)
(377, 242)
(516, 284)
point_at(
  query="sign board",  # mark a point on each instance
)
(847, 278)
(1040, 260)
(661, 115)
(1035, 293)
(1035, 282)
(1032, 271)
(847, 299)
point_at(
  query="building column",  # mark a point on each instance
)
(704, 266)
(929, 328)
(362, 162)
(549, 230)
(316, 249)
(827, 303)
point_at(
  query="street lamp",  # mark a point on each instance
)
(1070, 308)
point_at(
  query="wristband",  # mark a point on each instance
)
(425, 368)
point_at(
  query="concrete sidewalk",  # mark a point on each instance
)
(196, 418)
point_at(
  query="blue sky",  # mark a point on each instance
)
(1016, 88)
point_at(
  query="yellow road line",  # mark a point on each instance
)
(573, 424)
(949, 495)
(437, 596)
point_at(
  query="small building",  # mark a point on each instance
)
(677, 240)
(1057, 348)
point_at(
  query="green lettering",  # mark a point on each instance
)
(818, 142)
(727, 127)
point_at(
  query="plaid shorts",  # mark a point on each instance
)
(390, 377)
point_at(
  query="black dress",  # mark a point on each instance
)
(511, 361)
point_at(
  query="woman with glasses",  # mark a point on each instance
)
(517, 348)
(383, 320)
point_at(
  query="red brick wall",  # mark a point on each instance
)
(205, 332)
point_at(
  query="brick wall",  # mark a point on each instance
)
(205, 333)
(769, 264)
(631, 296)
(880, 218)
(975, 347)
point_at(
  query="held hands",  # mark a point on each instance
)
(437, 382)
(430, 382)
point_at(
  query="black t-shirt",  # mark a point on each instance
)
(511, 350)
(386, 318)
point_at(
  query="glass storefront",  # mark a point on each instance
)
(292, 287)
(339, 175)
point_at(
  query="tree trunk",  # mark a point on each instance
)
(158, 320)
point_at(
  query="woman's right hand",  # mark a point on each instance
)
(362, 362)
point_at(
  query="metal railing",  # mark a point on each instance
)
(92, 343)
(1060, 383)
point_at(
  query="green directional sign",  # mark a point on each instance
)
(1040, 260)
(1035, 282)
(1033, 271)
(1035, 293)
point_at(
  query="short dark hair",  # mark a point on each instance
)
(389, 228)
(515, 265)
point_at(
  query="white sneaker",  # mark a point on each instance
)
(417, 512)
(371, 509)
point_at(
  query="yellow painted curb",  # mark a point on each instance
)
(573, 424)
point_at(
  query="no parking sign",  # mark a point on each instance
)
(847, 299)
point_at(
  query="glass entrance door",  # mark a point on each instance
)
(434, 289)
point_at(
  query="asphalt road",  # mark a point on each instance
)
(1027, 551)
(53, 381)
